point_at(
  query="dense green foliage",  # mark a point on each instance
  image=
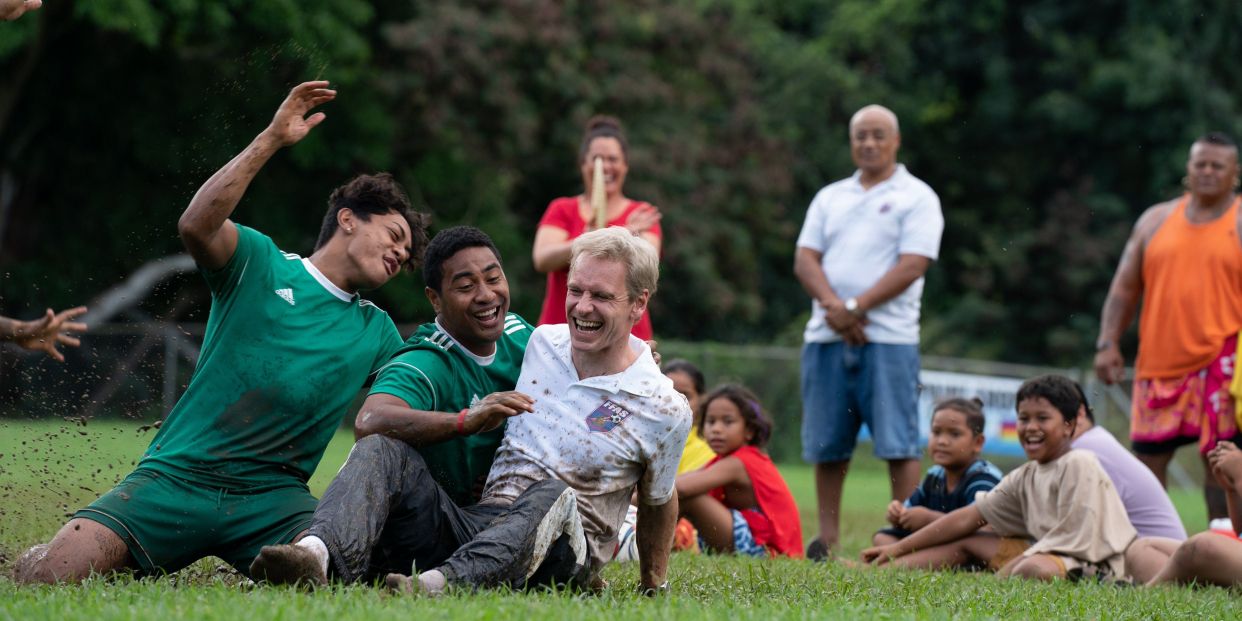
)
(1045, 126)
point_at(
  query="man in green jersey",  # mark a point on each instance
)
(409, 491)
(288, 344)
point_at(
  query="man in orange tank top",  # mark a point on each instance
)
(1184, 260)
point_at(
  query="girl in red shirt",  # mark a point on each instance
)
(569, 217)
(739, 502)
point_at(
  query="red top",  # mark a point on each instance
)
(563, 214)
(776, 525)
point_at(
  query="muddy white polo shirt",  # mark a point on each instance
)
(600, 435)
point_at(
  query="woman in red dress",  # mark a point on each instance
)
(568, 217)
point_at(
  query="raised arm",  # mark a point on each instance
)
(45, 333)
(204, 227)
(1123, 297)
(391, 416)
(951, 527)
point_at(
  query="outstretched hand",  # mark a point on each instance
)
(52, 329)
(491, 411)
(290, 124)
(1225, 460)
(13, 9)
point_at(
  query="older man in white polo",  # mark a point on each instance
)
(862, 253)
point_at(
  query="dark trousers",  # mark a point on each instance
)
(384, 513)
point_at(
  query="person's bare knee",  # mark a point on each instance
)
(1037, 567)
(80, 548)
(883, 539)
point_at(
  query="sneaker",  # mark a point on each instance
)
(287, 564)
(818, 551)
(562, 518)
(1223, 526)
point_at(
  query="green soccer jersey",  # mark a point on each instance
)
(284, 354)
(434, 373)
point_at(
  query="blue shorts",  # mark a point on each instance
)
(743, 540)
(845, 386)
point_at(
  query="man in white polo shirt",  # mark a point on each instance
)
(605, 421)
(864, 248)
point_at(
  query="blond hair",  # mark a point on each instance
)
(616, 243)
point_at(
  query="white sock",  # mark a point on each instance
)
(318, 548)
(432, 582)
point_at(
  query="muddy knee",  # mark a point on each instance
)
(378, 447)
(31, 566)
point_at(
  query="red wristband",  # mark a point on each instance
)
(460, 426)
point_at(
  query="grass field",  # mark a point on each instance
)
(47, 470)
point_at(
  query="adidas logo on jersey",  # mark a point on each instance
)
(286, 295)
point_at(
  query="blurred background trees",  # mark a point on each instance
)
(1045, 126)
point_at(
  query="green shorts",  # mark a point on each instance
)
(169, 522)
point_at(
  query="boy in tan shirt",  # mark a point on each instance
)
(1056, 516)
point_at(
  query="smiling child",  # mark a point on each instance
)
(738, 502)
(1056, 516)
(955, 442)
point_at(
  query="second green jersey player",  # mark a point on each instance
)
(434, 372)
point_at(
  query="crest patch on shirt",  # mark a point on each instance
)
(606, 417)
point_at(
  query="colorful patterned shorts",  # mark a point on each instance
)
(1167, 413)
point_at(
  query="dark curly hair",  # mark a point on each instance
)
(374, 195)
(1062, 392)
(748, 404)
(447, 243)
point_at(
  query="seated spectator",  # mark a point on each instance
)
(958, 474)
(738, 502)
(1056, 516)
(1147, 504)
(688, 380)
(1206, 558)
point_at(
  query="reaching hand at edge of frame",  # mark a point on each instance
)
(1225, 461)
(13, 9)
(45, 333)
(290, 123)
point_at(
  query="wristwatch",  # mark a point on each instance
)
(851, 306)
(1103, 344)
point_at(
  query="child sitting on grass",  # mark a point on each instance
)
(1056, 516)
(1206, 558)
(688, 380)
(738, 502)
(955, 442)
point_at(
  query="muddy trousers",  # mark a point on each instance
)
(385, 514)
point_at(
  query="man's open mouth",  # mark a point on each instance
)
(587, 326)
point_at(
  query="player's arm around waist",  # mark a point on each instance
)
(392, 416)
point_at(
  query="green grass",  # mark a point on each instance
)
(48, 469)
